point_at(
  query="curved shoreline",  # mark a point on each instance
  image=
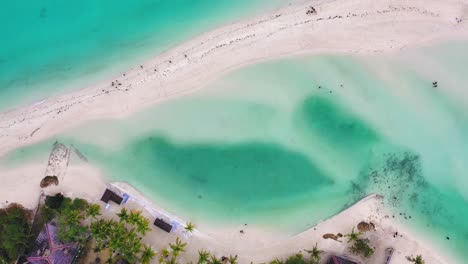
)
(255, 244)
(338, 27)
(262, 246)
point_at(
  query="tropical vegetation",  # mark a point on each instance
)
(360, 245)
(14, 232)
(123, 237)
(214, 260)
(353, 236)
(203, 257)
(232, 259)
(93, 211)
(71, 214)
(298, 258)
(417, 260)
(147, 255)
(315, 254)
(190, 227)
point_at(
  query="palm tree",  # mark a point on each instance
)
(100, 229)
(93, 211)
(276, 261)
(315, 253)
(172, 260)
(123, 215)
(353, 236)
(417, 260)
(178, 247)
(232, 260)
(135, 217)
(143, 226)
(203, 256)
(147, 255)
(190, 227)
(361, 247)
(295, 259)
(214, 260)
(164, 255)
(71, 217)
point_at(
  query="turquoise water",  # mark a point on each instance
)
(50, 46)
(297, 140)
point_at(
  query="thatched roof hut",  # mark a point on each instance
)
(111, 196)
(163, 225)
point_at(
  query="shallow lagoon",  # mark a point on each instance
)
(300, 139)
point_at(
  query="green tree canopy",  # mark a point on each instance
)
(71, 215)
(123, 215)
(14, 232)
(93, 211)
(123, 237)
(147, 255)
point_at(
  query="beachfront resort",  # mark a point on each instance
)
(247, 131)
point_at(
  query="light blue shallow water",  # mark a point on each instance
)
(50, 46)
(297, 140)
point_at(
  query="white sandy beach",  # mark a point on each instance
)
(254, 244)
(262, 246)
(353, 26)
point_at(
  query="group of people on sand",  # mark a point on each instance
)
(311, 11)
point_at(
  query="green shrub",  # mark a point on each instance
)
(71, 214)
(361, 247)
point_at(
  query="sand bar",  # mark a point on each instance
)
(354, 26)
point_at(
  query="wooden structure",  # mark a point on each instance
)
(111, 196)
(163, 225)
